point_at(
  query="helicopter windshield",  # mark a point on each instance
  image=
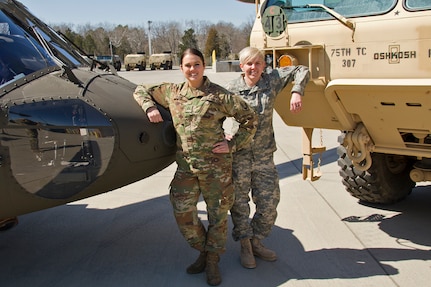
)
(27, 45)
(20, 53)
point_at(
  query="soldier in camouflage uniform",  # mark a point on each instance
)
(253, 168)
(204, 157)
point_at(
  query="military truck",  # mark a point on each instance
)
(163, 60)
(105, 60)
(370, 65)
(133, 61)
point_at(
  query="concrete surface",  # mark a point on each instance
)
(128, 237)
(226, 66)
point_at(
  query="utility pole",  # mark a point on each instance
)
(111, 50)
(149, 38)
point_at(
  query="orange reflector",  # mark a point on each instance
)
(287, 60)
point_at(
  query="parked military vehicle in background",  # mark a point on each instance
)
(163, 60)
(106, 60)
(370, 64)
(135, 61)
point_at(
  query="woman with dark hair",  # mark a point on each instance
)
(204, 156)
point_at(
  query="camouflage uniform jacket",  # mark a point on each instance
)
(198, 115)
(262, 98)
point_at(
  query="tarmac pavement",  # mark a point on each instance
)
(128, 237)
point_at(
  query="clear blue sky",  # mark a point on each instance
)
(81, 12)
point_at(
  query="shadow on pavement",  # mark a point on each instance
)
(412, 224)
(139, 245)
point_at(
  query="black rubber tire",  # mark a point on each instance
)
(386, 181)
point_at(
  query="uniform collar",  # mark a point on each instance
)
(260, 85)
(190, 92)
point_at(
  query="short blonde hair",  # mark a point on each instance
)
(250, 53)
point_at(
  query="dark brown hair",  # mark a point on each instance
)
(192, 51)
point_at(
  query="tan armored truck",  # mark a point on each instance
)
(370, 64)
(163, 60)
(135, 61)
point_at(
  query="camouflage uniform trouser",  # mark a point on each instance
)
(258, 174)
(217, 191)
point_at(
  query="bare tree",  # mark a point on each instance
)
(201, 29)
(137, 39)
(117, 35)
(101, 40)
(166, 36)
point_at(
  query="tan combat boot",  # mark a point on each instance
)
(261, 251)
(199, 265)
(213, 273)
(247, 257)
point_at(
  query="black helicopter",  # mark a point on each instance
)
(68, 131)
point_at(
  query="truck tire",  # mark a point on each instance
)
(386, 181)
(167, 65)
(127, 67)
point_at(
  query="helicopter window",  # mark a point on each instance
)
(418, 4)
(58, 50)
(66, 113)
(4, 29)
(20, 54)
(297, 11)
(68, 142)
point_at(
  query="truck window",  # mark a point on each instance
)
(296, 10)
(418, 4)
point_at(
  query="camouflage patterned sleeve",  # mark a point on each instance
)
(298, 74)
(300, 79)
(247, 119)
(148, 95)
